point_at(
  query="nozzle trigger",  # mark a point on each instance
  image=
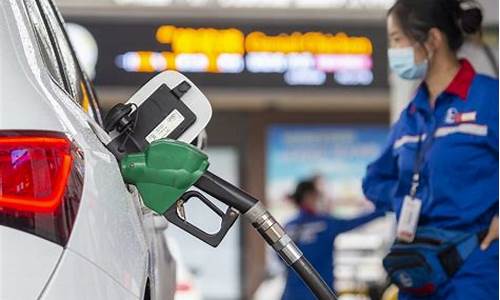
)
(176, 214)
(181, 211)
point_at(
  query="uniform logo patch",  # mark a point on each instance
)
(455, 117)
(450, 115)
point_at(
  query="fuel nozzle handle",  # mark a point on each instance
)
(225, 192)
(272, 232)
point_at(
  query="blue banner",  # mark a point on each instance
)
(339, 154)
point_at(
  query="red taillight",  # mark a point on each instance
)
(183, 287)
(41, 180)
(34, 172)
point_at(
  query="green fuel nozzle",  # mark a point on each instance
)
(164, 172)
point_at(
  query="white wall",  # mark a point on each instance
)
(490, 9)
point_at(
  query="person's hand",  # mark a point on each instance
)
(492, 234)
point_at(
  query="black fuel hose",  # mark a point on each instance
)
(269, 229)
(312, 279)
(225, 192)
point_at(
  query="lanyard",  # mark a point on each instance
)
(422, 149)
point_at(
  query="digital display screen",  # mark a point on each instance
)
(234, 54)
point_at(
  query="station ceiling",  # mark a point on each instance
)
(305, 9)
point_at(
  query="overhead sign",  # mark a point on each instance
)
(248, 55)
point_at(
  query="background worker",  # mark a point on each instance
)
(314, 233)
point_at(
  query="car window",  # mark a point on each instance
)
(91, 106)
(63, 48)
(44, 43)
(75, 82)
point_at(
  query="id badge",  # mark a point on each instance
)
(408, 220)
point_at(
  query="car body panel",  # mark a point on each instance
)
(107, 230)
(27, 262)
(77, 278)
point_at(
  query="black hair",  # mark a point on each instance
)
(455, 18)
(303, 188)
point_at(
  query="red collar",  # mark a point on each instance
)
(460, 85)
(308, 210)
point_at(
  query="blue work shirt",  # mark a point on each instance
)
(459, 174)
(314, 234)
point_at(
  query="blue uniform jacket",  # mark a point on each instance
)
(459, 176)
(314, 234)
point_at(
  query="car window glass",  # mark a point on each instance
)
(44, 43)
(71, 70)
(95, 109)
(89, 103)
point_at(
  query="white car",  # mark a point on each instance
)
(69, 226)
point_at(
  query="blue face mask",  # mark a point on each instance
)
(402, 62)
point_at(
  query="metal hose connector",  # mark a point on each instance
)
(276, 237)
